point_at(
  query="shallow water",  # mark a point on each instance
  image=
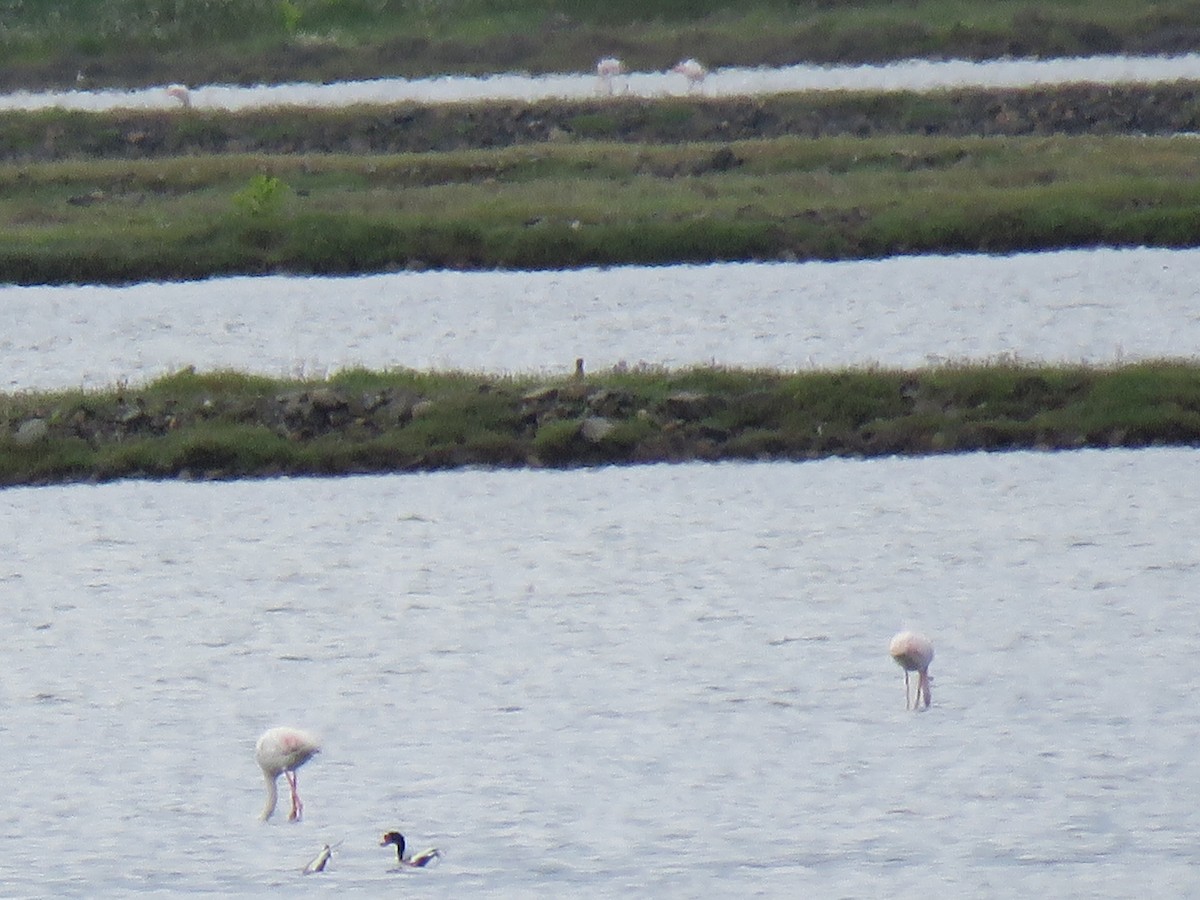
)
(659, 681)
(1101, 306)
(911, 75)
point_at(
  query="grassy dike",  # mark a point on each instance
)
(591, 203)
(228, 425)
(55, 134)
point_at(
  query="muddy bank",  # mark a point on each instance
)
(1071, 110)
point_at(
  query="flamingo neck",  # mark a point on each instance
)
(272, 796)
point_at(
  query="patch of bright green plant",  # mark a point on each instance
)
(291, 14)
(263, 197)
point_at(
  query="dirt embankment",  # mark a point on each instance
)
(326, 429)
(1074, 110)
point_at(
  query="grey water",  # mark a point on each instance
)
(1080, 306)
(658, 681)
(907, 75)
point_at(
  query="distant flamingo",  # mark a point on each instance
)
(608, 70)
(693, 70)
(181, 93)
(418, 861)
(281, 751)
(913, 652)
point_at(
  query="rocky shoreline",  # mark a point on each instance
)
(229, 426)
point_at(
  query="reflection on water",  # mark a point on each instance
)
(1102, 306)
(912, 75)
(660, 681)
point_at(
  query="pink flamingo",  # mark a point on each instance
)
(913, 652)
(608, 70)
(693, 70)
(181, 93)
(279, 751)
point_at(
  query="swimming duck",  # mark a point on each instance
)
(417, 861)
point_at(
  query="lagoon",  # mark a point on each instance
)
(660, 681)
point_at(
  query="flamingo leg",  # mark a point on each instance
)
(906, 692)
(923, 687)
(297, 806)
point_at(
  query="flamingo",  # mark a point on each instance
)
(913, 652)
(419, 861)
(693, 70)
(181, 93)
(279, 751)
(608, 69)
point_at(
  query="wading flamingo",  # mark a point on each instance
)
(181, 93)
(913, 652)
(693, 70)
(418, 861)
(608, 70)
(281, 751)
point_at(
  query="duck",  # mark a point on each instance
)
(416, 861)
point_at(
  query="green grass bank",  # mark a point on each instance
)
(229, 425)
(108, 43)
(591, 203)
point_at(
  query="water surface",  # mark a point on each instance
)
(906, 75)
(1099, 307)
(658, 681)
